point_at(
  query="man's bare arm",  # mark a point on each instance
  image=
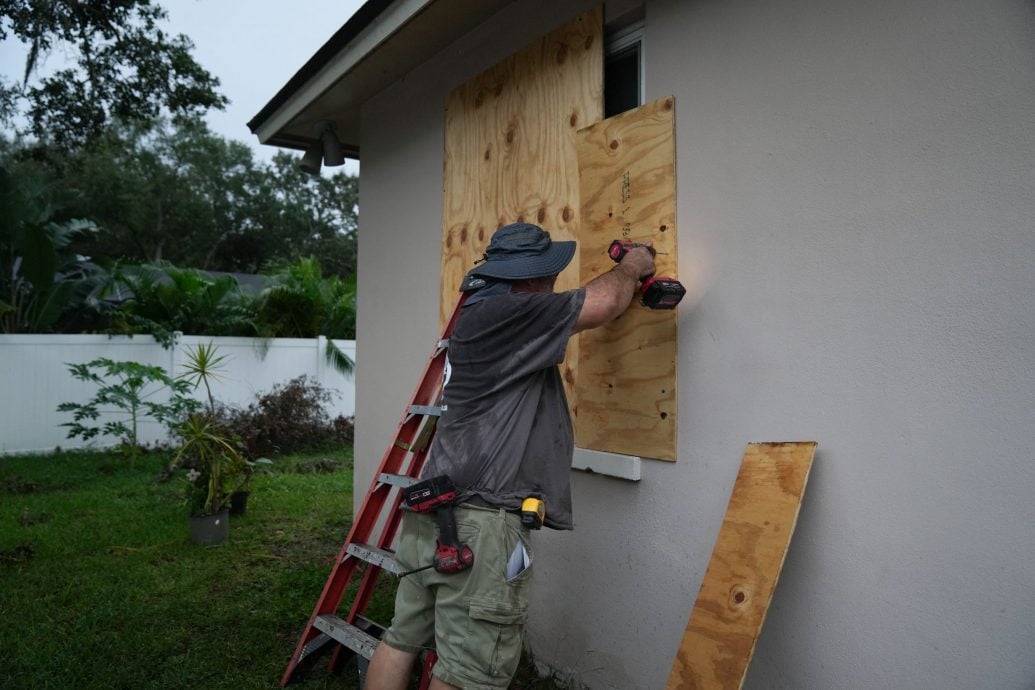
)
(610, 294)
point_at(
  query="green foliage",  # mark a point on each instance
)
(302, 303)
(137, 391)
(296, 215)
(251, 469)
(165, 193)
(210, 457)
(123, 67)
(39, 279)
(211, 462)
(203, 365)
(115, 556)
(185, 195)
(164, 299)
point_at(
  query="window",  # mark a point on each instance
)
(623, 70)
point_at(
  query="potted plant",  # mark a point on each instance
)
(249, 468)
(210, 462)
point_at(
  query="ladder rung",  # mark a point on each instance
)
(347, 634)
(429, 410)
(314, 645)
(403, 480)
(383, 559)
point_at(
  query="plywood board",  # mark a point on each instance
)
(510, 151)
(745, 564)
(625, 401)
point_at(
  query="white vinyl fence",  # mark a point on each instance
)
(34, 379)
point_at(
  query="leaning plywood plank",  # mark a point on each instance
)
(749, 553)
(626, 398)
(510, 150)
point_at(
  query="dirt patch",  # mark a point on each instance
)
(13, 484)
(22, 553)
(29, 518)
(317, 466)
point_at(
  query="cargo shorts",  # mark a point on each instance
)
(473, 619)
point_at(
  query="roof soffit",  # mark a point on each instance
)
(401, 36)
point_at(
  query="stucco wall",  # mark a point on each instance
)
(855, 214)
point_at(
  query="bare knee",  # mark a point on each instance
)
(437, 684)
(389, 669)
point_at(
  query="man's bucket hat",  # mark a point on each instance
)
(520, 251)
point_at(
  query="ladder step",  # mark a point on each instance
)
(362, 643)
(382, 558)
(428, 410)
(403, 480)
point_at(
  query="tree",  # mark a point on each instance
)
(165, 192)
(40, 280)
(183, 194)
(124, 67)
(293, 215)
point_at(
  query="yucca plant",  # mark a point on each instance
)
(203, 365)
(211, 461)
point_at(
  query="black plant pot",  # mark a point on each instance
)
(210, 529)
(238, 502)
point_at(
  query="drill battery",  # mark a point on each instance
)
(661, 293)
(426, 496)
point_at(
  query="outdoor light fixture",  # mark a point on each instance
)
(333, 153)
(326, 149)
(311, 160)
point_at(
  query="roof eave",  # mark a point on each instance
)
(378, 45)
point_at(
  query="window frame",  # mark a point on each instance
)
(622, 39)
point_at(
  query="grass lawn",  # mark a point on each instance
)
(100, 585)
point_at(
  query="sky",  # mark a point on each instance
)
(253, 47)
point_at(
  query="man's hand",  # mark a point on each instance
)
(610, 294)
(641, 261)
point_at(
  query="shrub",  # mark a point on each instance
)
(136, 391)
(291, 417)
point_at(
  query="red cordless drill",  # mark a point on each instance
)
(657, 292)
(437, 494)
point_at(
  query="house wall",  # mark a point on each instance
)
(34, 380)
(855, 215)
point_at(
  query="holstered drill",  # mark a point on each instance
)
(437, 494)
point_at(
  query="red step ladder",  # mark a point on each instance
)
(366, 551)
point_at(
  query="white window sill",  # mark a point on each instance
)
(610, 464)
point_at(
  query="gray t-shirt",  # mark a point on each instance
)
(506, 433)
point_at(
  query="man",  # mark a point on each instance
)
(505, 435)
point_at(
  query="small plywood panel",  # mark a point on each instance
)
(738, 586)
(626, 397)
(510, 151)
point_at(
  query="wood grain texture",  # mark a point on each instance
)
(745, 565)
(510, 146)
(510, 151)
(626, 397)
